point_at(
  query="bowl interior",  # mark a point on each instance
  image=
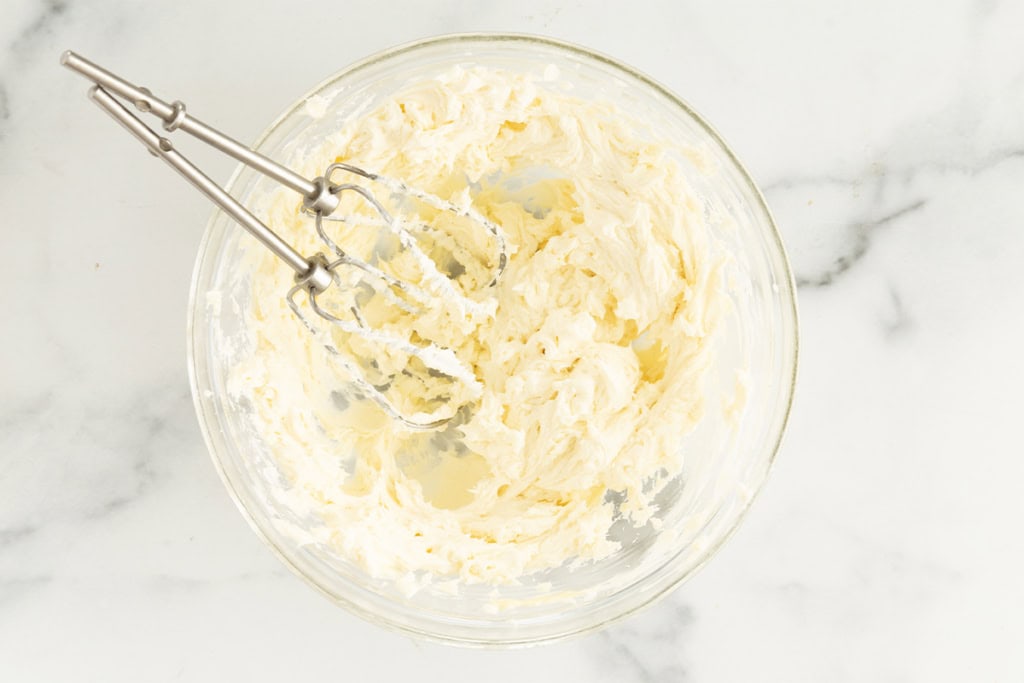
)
(725, 459)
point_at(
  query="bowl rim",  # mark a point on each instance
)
(786, 282)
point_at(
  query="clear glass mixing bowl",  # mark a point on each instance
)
(725, 465)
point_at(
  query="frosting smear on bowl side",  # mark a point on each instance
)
(589, 353)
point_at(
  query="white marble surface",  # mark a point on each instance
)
(887, 546)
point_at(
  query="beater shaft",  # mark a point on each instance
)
(176, 118)
(313, 272)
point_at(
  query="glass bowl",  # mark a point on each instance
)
(727, 457)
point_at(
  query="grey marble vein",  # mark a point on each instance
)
(20, 588)
(871, 193)
(11, 535)
(998, 158)
(878, 174)
(171, 584)
(628, 648)
(135, 430)
(5, 110)
(623, 656)
(22, 408)
(151, 428)
(856, 247)
(896, 320)
(49, 12)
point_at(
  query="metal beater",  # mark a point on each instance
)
(321, 198)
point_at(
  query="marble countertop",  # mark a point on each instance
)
(889, 138)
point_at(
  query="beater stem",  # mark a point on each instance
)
(312, 271)
(175, 118)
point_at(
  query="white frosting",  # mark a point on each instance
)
(589, 355)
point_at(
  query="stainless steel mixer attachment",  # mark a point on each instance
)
(317, 274)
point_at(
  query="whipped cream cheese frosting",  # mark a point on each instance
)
(588, 356)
